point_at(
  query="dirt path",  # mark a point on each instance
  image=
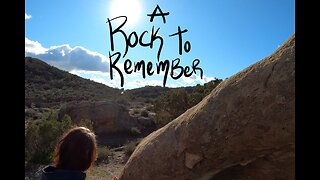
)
(107, 170)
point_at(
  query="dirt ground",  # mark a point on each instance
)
(106, 170)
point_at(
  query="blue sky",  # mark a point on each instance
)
(227, 36)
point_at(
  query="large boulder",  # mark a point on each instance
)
(244, 129)
(108, 117)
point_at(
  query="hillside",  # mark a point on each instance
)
(148, 91)
(48, 86)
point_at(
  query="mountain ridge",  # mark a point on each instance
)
(48, 86)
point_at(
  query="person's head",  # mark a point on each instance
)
(76, 149)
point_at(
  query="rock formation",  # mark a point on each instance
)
(244, 129)
(108, 117)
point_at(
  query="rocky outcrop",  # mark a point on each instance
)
(244, 129)
(108, 117)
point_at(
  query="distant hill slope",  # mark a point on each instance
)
(47, 86)
(148, 91)
(153, 92)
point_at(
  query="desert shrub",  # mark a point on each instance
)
(41, 136)
(123, 99)
(147, 101)
(136, 111)
(135, 131)
(103, 153)
(86, 123)
(31, 139)
(149, 108)
(144, 113)
(172, 104)
(130, 147)
(195, 98)
(162, 118)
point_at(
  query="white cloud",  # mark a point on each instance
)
(95, 66)
(34, 47)
(135, 80)
(195, 79)
(27, 16)
(66, 57)
(130, 82)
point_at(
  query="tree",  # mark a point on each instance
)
(170, 105)
(176, 101)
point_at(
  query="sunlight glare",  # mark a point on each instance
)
(129, 8)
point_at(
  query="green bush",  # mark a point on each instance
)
(31, 140)
(162, 118)
(170, 105)
(130, 147)
(144, 113)
(176, 101)
(136, 111)
(41, 136)
(123, 99)
(195, 98)
(149, 108)
(135, 131)
(86, 123)
(147, 101)
(103, 153)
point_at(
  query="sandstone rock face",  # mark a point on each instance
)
(244, 129)
(108, 117)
